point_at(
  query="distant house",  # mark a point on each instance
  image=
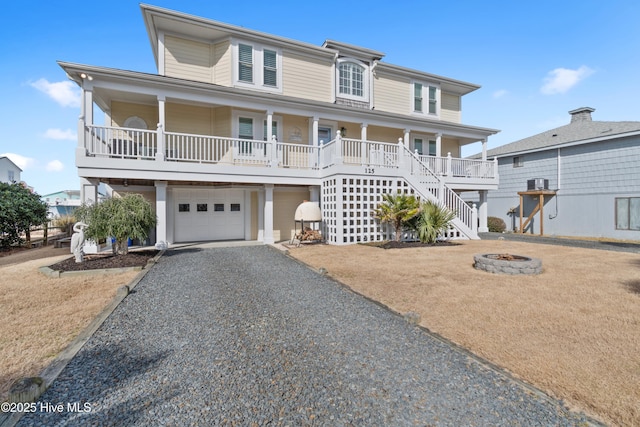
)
(62, 203)
(239, 127)
(591, 171)
(9, 171)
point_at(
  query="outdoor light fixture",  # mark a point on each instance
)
(86, 76)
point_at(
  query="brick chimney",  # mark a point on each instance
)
(581, 114)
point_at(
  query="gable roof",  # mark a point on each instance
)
(581, 130)
(10, 161)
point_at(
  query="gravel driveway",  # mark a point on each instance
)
(248, 336)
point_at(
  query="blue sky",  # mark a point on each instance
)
(535, 61)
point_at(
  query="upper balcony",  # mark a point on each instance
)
(160, 155)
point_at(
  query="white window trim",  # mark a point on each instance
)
(366, 76)
(425, 98)
(258, 124)
(258, 66)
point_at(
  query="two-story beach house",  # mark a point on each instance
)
(239, 127)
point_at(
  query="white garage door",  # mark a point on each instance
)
(204, 214)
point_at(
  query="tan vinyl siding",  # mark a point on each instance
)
(306, 77)
(188, 59)
(189, 119)
(392, 94)
(284, 209)
(222, 121)
(121, 111)
(222, 66)
(380, 134)
(451, 108)
(450, 146)
(295, 127)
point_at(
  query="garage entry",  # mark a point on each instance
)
(207, 214)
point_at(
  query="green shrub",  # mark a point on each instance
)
(496, 225)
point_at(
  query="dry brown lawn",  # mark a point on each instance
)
(572, 331)
(40, 315)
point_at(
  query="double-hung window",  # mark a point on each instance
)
(425, 98)
(245, 63)
(258, 67)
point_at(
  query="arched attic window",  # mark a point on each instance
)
(135, 122)
(353, 79)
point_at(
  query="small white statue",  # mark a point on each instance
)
(77, 241)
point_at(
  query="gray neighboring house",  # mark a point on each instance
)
(594, 169)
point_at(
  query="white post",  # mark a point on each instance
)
(314, 131)
(438, 145)
(401, 154)
(495, 168)
(338, 159)
(261, 215)
(482, 212)
(274, 152)
(268, 214)
(484, 150)
(89, 196)
(407, 135)
(474, 218)
(161, 148)
(449, 169)
(161, 214)
(363, 131)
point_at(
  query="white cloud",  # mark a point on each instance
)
(22, 162)
(54, 166)
(64, 93)
(561, 80)
(500, 93)
(60, 134)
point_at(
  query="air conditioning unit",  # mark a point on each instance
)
(537, 184)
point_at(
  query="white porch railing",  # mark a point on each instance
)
(120, 142)
(459, 168)
(428, 181)
(126, 143)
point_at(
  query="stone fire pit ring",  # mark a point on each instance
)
(507, 264)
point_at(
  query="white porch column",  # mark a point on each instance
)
(484, 149)
(407, 133)
(161, 149)
(314, 131)
(314, 194)
(363, 131)
(482, 212)
(161, 214)
(89, 196)
(260, 215)
(438, 145)
(88, 191)
(268, 214)
(87, 102)
(269, 125)
(338, 158)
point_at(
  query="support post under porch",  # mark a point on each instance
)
(161, 213)
(482, 212)
(268, 214)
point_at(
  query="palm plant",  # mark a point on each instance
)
(431, 221)
(397, 210)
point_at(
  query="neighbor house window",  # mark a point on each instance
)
(517, 161)
(628, 213)
(258, 66)
(12, 177)
(425, 92)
